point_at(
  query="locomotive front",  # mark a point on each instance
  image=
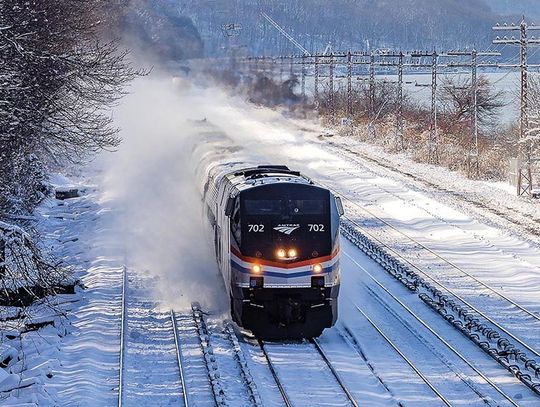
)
(284, 258)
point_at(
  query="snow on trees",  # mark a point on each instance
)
(533, 131)
(57, 80)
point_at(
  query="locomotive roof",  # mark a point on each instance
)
(265, 174)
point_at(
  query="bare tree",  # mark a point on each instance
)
(456, 98)
(58, 80)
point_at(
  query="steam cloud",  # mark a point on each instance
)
(149, 182)
(150, 179)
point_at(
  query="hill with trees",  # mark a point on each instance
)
(355, 24)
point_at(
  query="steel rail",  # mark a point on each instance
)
(449, 262)
(439, 337)
(436, 254)
(428, 276)
(179, 359)
(243, 365)
(409, 362)
(275, 375)
(444, 287)
(206, 348)
(122, 339)
(338, 378)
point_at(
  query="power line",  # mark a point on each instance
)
(524, 160)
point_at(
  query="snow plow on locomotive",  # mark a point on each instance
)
(276, 236)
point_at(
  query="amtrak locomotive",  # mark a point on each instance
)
(276, 236)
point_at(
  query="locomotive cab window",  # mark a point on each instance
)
(262, 206)
(307, 207)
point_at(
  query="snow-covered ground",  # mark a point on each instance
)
(140, 213)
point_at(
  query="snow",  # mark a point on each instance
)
(8, 381)
(140, 211)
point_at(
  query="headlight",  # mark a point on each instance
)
(281, 253)
(317, 268)
(292, 253)
(256, 268)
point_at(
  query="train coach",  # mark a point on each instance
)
(276, 238)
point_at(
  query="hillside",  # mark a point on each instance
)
(156, 28)
(407, 24)
(529, 8)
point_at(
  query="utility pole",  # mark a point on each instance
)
(371, 125)
(433, 157)
(399, 124)
(303, 84)
(524, 159)
(291, 67)
(433, 153)
(473, 159)
(399, 111)
(331, 98)
(316, 82)
(2, 257)
(349, 85)
(474, 154)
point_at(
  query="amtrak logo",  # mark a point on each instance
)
(286, 229)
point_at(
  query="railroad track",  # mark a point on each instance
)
(337, 376)
(225, 341)
(441, 298)
(275, 375)
(446, 261)
(517, 218)
(249, 382)
(122, 340)
(451, 264)
(208, 353)
(446, 344)
(405, 358)
(346, 334)
(176, 377)
(185, 395)
(193, 325)
(432, 252)
(494, 338)
(324, 358)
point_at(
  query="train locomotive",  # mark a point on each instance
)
(276, 237)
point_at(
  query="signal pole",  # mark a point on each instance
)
(524, 159)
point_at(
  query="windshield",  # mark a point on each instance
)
(284, 216)
(285, 207)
